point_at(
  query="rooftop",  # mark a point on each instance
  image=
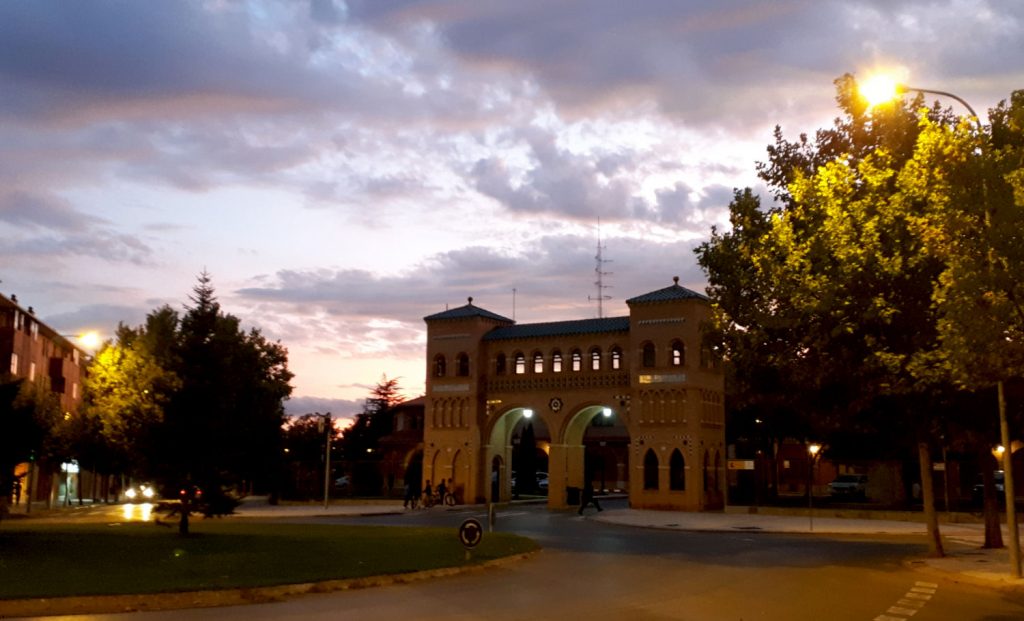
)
(559, 328)
(668, 294)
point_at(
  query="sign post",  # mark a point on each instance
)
(470, 534)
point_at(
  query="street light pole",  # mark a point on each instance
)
(327, 458)
(812, 451)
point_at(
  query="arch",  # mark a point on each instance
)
(456, 480)
(440, 365)
(595, 359)
(718, 466)
(616, 352)
(705, 471)
(462, 365)
(500, 364)
(678, 355)
(520, 363)
(497, 466)
(647, 356)
(501, 444)
(556, 361)
(538, 362)
(677, 472)
(577, 360)
(650, 470)
(593, 446)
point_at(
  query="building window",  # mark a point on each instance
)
(616, 358)
(538, 362)
(500, 365)
(556, 361)
(647, 357)
(74, 390)
(577, 360)
(520, 364)
(677, 472)
(678, 353)
(462, 365)
(35, 331)
(14, 363)
(440, 366)
(650, 470)
(595, 359)
(31, 371)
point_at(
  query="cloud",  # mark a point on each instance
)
(35, 211)
(340, 408)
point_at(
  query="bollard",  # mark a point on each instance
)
(491, 517)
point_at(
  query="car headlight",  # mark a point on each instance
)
(131, 493)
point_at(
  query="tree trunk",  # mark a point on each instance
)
(993, 532)
(931, 517)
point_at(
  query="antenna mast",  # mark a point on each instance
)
(599, 270)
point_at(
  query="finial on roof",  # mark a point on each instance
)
(675, 279)
(470, 298)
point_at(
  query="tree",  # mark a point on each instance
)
(305, 444)
(829, 291)
(361, 440)
(31, 417)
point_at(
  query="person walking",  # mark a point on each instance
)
(587, 497)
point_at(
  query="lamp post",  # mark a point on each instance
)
(881, 88)
(326, 425)
(812, 452)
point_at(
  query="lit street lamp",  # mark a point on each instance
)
(325, 424)
(878, 89)
(812, 451)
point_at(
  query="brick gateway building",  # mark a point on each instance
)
(647, 372)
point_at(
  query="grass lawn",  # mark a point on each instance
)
(54, 560)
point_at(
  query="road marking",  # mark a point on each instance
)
(911, 602)
(897, 610)
(931, 585)
(924, 596)
(918, 589)
(888, 618)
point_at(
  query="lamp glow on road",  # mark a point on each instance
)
(880, 88)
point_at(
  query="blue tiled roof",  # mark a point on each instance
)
(559, 328)
(668, 294)
(466, 312)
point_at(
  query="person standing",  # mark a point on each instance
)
(587, 497)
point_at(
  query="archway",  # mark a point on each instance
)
(594, 451)
(518, 446)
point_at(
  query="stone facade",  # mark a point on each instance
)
(648, 370)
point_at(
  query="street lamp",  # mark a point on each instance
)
(878, 89)
(812, 451)
(325, 424)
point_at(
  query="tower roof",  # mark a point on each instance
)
(668, 294)
(559, 328)
(467, 312)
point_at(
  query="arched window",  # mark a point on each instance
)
(440, 366)
(577, 360)
(677, 471)
(707, 483)
(462, 365)
(616, 358)
(556, 361)
(678, 353)
(650, 470)
(595, 359)
(520, 363)
(538, 362)
(718, 465)
(647, 358)
(500, 365)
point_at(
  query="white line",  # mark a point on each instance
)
(927, 584)
(897, 610)
(913, 595)
(888, 618)
(919, 589)
(911, 602)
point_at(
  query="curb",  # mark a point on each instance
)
(110, 604)
(983, 579)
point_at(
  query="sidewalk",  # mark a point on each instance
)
(965, 560)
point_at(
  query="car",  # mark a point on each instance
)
(849, 486)
(343, 483)
(978, 491)
(143, 492)
(541, 478)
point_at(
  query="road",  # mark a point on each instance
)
(597, 571)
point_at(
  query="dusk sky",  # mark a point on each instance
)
(342, 169)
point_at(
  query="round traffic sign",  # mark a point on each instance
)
(470, 533)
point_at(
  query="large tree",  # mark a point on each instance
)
(829, 290)
(32, 417)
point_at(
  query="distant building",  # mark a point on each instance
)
(33, 351)
(633, 403)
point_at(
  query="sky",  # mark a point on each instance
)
(343, 169)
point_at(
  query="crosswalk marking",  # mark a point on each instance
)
(919, 589)
(930, 585)
(898, 610)
(888, 618)
(911, 602)
(924, 596)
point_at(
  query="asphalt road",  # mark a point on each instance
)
(589, 570)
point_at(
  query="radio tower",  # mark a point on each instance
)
(599, 270)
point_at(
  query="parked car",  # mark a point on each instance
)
(978, 491)
(849, 486)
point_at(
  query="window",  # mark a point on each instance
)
(440, 366)
(595, 359)
(538, 362)
(520, 364)
(14, 364)
(677, 472)
(556, 361)
(462, 365)
(74, 390)
(678, 353)
(500, 365)
(650, 470)
(647, 357)
(18, 318)
(34, 329)
(577, 360)
(616, 358)
(31, 371)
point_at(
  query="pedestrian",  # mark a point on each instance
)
(587, 497)
(441, 489)
(408, 496)
(428, 494)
